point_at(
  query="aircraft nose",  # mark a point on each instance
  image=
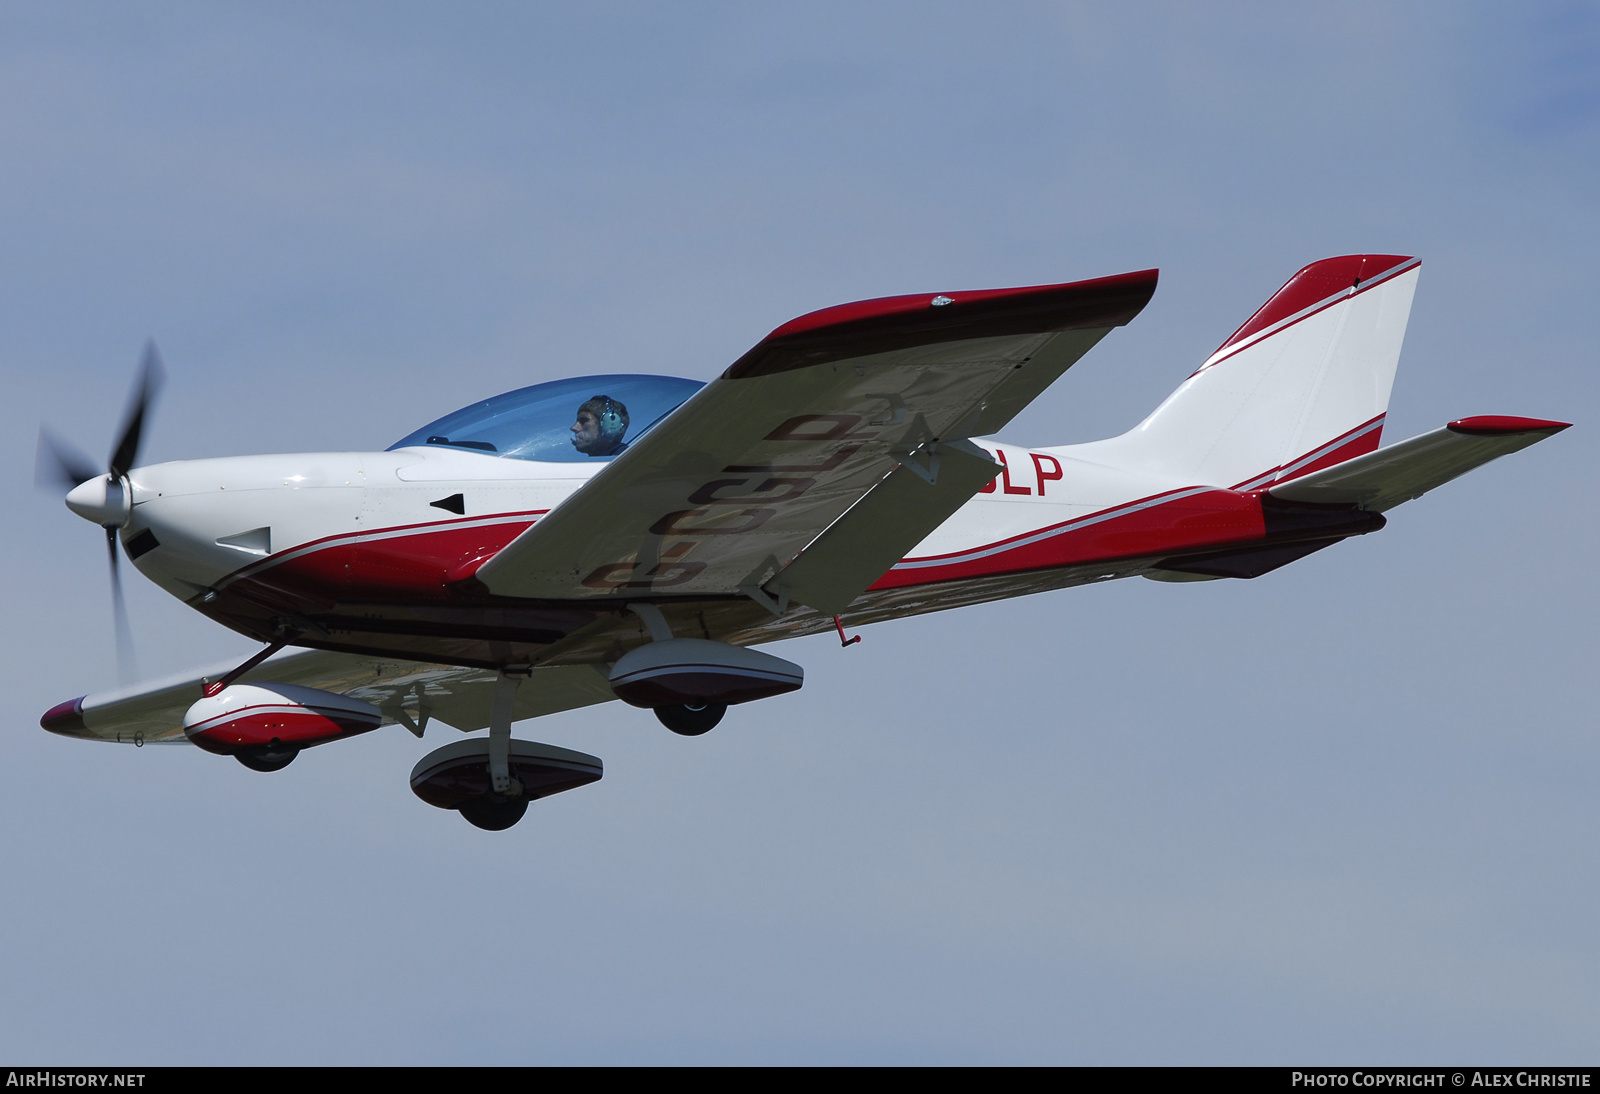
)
(101, 500)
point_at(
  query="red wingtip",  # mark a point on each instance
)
(921, 303)
(65, 717)
(1493, 425)
(905, 322)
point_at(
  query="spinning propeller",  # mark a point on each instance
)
(106, 497)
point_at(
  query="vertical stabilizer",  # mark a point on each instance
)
(1302, 385)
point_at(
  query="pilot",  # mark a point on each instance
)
(601, 424)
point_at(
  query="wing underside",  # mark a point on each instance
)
(406, 692)
(859, 410)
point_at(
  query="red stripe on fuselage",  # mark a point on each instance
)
(1201, 518)
(422, 562)
(409, 562)
(1359, 441)
(1159, 524)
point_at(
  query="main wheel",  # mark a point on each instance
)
(691, 721)
(493, 813)
(267, 757)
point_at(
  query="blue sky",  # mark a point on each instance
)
(1342, 813)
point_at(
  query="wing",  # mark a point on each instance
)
(1384, 479)
(861, 410)
(406, 692)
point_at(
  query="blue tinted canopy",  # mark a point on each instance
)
(564, 421)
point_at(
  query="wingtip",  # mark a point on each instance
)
(902, 322)
(65, 718)
(1499, 425)
(916, 304)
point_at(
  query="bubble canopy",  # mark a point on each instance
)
(579, 420)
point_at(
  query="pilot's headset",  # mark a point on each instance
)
(613, 419)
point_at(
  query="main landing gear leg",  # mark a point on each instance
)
(505, 697)
(507, 799)
(490, 782)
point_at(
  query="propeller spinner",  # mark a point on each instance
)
(106, 498)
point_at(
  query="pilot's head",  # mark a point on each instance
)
(601, 424)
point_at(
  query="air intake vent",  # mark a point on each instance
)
(257, 541)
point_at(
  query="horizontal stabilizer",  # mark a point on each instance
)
(1383, 479)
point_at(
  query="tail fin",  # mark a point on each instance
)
(1304, 384)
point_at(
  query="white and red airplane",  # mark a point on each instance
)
(633, 536)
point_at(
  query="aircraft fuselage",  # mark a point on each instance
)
(376, 552)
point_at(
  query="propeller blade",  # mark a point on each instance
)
(57, 465)
(140, 400)
(127, 663)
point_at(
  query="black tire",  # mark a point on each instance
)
(493, 813)
(691, 721)
(267, 757)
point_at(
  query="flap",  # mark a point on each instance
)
(879, 530)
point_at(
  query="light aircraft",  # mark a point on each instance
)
(632, 537)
